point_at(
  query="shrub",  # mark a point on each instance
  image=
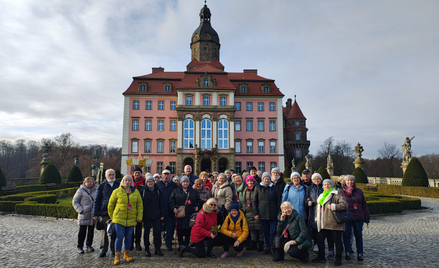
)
(2, 179)
(74, 174)
(287, 174)
(8, 206)
(415, 174)
(360, 176)
(301, 168)
(51, 210)
(383, 206)
(405, 190)
(61, 193)
(44, 199)
(50, 175)
(322, 171)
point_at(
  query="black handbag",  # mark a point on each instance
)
(342, 216)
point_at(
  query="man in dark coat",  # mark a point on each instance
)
(192, 177)
(100, 210)
(139, 182)
(166, 187)
(279, 183)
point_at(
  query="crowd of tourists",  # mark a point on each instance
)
(253, 211)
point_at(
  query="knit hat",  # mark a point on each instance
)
(316, 175)
(227, 170)
(266, 174)
(138, 169)
(149, 178)
(184, 178)
(249, 178)
(156, 175)
(328, 180)
(234, 205)
(294, 174)
(275, 169)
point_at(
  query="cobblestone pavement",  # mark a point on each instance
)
(410, 239)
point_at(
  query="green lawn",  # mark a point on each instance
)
(66, 201)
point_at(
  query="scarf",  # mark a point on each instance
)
(234, 219)
(249, 187)
(325, 194)
(348, 190)
(275, 179)
(239, 190)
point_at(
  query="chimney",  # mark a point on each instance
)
(251, 71)
(157, 70)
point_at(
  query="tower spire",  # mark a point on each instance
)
(205, 43)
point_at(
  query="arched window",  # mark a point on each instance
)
(188, 134)
(223, 134)
(206, 134)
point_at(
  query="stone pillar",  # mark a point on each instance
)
(404, 165)
(358, 161)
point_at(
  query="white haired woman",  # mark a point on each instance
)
(297, 194)
(223, 194)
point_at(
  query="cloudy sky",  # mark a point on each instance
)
(363, 71)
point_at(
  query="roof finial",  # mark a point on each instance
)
(294, 97)
(205, 1)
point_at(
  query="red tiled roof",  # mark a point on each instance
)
(295, 112)
(196, 63)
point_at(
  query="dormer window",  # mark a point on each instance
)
(206, 82)
(243, 89)
(143, 87)
(266, 88)
(167, 87)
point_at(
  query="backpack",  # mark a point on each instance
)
(193, 218)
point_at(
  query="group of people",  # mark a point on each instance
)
(251, 209)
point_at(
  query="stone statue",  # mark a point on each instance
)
(293, 166)
(95, 159)
(76, 157)
(46, 151)
(358, 150)
(330, 163)
(308, 160)
(407, 149)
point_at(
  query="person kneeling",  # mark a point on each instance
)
(291, 230)
(234, 230)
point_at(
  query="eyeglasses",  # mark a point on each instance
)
(198, 184)
(212, 205)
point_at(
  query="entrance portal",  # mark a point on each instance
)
(206, 164)
(222, 164)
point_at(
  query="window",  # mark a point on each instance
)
(189, 100)
(272, 146)
(206, 134)
(238, 167)
(134, 146)
(173, 105)
(167, 88)
(188, 134)
(238, 106)
(297, 137)
(237, 125)
(249, 125)
(148, 105)
(243, 89)
(298, 154)
(249, 106)
(261, 147)
(135, 124)
(249, 165)
(206, 100)
(261, 166)
(249, 147)
(260, 125)
(173, 125)
(272, 106)
(161, 105)
(172, 146)
(260, 106)
(136, 105)
(266, 90)
(147, 146)
(297, 123)
(142, 88)
(172, 166)
(273, 165)
(223, 134)
(206, 81)
(161, 124)
(159, 146)
(159, 167)
(223, 101)
(272, 125)
(237, 146)
(148, 125)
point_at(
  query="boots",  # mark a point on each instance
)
(147, 252)
(126, 257)
(337, 260)
(260, 246)
(252, 245)
(360, 257)
(268, 250)
(158, 252)
(117, 258)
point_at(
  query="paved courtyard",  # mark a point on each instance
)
(410, 239)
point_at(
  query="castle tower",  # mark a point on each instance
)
(205, 43)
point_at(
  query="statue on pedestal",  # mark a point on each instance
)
(358, 150)
(293, 166)
(46, 151)
(308, 164)
(407, 149)
(329, 161)
(76, 159)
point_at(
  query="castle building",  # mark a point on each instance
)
(204, 117)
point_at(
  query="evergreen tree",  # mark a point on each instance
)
(322, 171)
(118, 175)
(360, 175)
(74, 174)
(301, 168)
(2, 179)
(415, 174)
(287, 174)
(50, 175)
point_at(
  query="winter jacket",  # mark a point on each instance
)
(203, 224)
(248, 197)
(298, 198)
(166, 191)
(223, 194)
(208, 185)
(83, 201)
(192, 179)
(178, 199)
(229, 227)
(118, 207)
(362, 211)
(153, 207)
(237, 193)
(314, 193)
(296, 230)
(103, 194)
(204, 193)
(267, 202)
(280, 186)
(324, 217)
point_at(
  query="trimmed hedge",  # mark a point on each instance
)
(324, 173)
(383, 206)
(360, 175)
(75, 174)
(301, 168)
(51, 210)
(431, 192)
(43, 199)
(380, 203)
(287, 174)
(61, 193)
(8, 206)
(415, 174)
(50, 175)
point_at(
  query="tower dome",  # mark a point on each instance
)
(205, 40)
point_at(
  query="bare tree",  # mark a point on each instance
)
(389, 151)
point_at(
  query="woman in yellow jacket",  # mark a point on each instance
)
(234, 230)
(125, 209)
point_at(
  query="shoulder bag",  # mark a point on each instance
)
(342, 216)
(181, 211)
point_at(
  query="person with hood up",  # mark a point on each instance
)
(234, 230)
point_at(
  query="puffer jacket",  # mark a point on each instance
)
(223, 194)
(118, 207)
(153, 207)
(314, 193)
(324, 217)
(203, 224)
(248, 197)
(229, 227)
(103, 194)
(178, 199)
(298, 198)
(280, 186)
(267, 202)
(83, 203)
(362, 211)
(296, 230)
